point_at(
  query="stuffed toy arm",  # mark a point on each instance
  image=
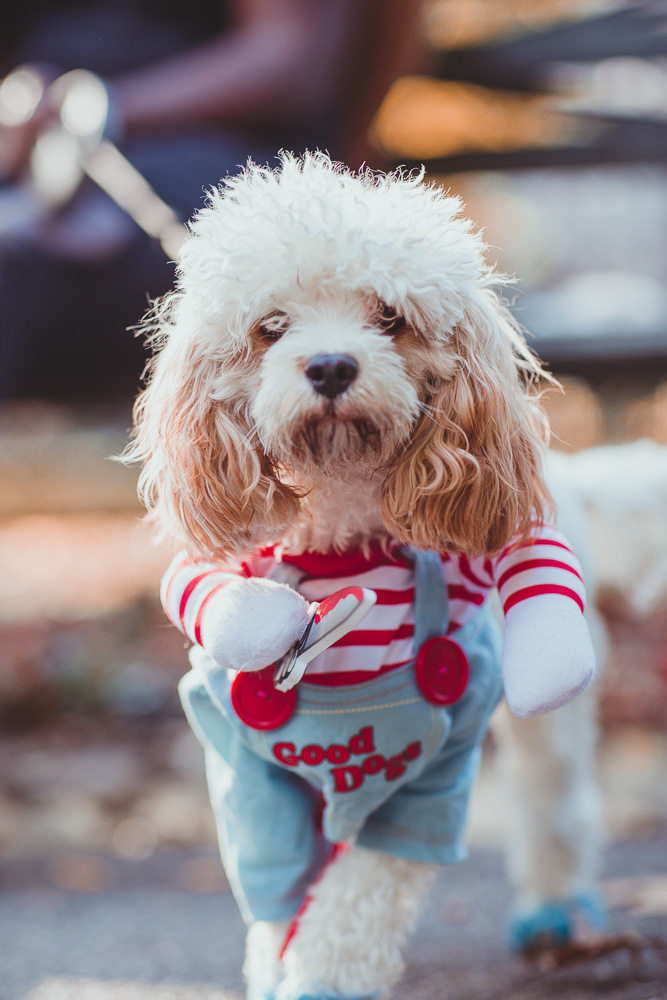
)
(548, 656)
(244, 624)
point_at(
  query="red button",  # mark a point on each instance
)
(442, 671)
(257, 703)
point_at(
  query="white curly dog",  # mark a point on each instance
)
(340, 404)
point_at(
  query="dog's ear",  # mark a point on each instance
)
(471, 477)
(206, 481)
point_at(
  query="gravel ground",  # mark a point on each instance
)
(145, 937)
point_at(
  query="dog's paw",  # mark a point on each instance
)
(556, 922)
(250, 624)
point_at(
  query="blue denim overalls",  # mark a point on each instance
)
(376, 761)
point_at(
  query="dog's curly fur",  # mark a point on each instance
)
(442, 419)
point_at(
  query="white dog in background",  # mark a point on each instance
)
(554, 820)
(338, 395)
(612, 503)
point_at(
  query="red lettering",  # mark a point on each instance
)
(395, 768)
(363, 741)
(337, 754)
(412, 751)
(285, 754)
(312, 754)
(346, 779)
(374, 764)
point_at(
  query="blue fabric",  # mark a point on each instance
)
(592, 909)
(553, 922)
(334, 996)
(390, 769)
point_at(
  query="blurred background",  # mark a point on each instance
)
(548, 117)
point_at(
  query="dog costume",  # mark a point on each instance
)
(391, 766)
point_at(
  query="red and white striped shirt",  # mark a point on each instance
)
(383, 641)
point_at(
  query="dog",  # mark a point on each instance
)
(341, 424)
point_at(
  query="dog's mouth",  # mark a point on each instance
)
(336, 434)
(327, 442)
(331, 439)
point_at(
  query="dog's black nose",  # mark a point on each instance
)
(331, 374)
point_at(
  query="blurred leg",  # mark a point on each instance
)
(553, 808)
(72, 289)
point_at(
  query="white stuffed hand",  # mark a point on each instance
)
(250, 624)
(548, 657)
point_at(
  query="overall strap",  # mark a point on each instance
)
(431, 602)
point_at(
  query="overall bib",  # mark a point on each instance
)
(375, 762)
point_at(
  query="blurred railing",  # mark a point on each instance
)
(584, 91)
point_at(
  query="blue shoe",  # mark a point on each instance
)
(554, 922)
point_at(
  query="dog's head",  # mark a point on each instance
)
(325, 320)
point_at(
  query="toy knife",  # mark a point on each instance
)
(328, 621)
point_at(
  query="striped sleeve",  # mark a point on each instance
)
(187, 587)
(544, 564)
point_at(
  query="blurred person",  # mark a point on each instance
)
(194, 90)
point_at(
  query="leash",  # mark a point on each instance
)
(79, 144)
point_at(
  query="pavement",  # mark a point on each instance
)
(140, 931)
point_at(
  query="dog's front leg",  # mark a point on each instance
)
(263, 967)
(348, 942)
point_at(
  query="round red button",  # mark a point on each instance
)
(257, 703)
(442, 671)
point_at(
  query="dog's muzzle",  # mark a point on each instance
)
(331, 374)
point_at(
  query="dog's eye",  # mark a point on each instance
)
(269, 333)
(389, 319)
(274, 326)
